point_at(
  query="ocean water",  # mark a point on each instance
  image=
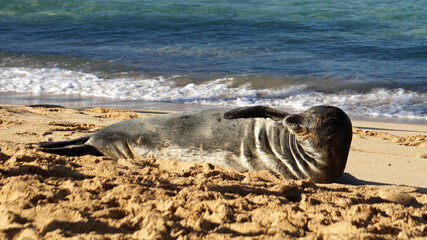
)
(368, 57)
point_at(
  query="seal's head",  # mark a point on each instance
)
(324, 133)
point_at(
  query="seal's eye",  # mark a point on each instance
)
(294, 121)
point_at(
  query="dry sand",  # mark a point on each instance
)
(45, 196)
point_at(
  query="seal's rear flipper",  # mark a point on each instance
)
(75, 147)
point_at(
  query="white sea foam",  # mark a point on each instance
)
(378, 102)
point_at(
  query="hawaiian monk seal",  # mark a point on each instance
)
(313, 144)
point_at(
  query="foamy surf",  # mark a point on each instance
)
(376, 103)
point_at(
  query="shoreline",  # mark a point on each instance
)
(76, 101)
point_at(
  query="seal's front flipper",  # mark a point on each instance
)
(254, 112)
(75, 147)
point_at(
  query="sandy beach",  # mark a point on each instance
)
(382, 194)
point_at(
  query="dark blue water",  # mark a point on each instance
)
(324, 47)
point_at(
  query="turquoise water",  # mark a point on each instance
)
(368, 57)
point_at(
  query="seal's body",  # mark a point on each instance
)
(313, 144)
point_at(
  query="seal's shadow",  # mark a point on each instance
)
(347, 178)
